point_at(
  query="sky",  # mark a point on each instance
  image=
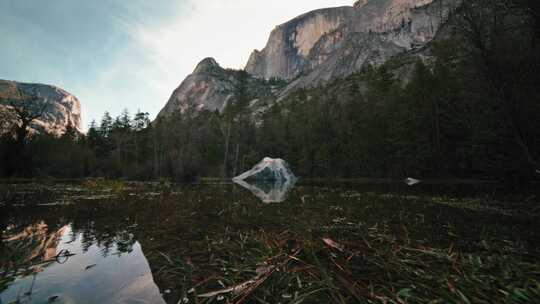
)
(131, 54)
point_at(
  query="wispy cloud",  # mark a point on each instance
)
(132, 54)
(224, 29)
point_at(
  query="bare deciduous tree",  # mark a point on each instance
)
(22, 110)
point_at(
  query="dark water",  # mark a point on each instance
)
(148, 243)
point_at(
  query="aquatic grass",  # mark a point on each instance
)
(375, 270)
(322, 246)
(381, 266)
(99, 184)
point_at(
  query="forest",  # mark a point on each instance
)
(468, 110)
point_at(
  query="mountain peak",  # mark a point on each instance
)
(208, 64)
(317, 47)
(360, 3)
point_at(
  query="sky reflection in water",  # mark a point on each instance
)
(91, 275)
(149, 244)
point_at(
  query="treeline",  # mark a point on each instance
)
(472, 110)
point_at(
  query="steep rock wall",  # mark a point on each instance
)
(61, 108)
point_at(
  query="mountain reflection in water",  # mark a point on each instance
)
(62, 265)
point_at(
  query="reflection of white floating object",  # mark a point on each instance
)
(411, 181)
(269, 169)
(268, 191)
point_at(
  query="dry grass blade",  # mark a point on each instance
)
(333, 244)
(235, 289)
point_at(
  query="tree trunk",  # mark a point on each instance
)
(156, 170)
(236, 159)
(226, 156)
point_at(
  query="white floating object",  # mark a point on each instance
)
(270, 180)
(411, 181)
(269, 169)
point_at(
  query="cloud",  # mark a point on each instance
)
(132, 54)
(224, 29)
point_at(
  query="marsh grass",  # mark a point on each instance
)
(382, 260)
(377, 268)
(104, 184)
(217, 244)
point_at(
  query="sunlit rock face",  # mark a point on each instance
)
(269, 169)
(329, 43)
(62, 108)
(316, 48)
(211, 87)
(288, 50)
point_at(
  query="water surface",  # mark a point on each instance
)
(156, 243)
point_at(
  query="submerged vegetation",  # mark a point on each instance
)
(215, 243)
(371, 265)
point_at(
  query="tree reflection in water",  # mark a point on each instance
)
(200, 237)
(73, 257)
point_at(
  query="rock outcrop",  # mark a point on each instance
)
(288, 51)
(335, 42)
(211, 87)
(318, 47)
(60, 108)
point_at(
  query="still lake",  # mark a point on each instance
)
(116, 242)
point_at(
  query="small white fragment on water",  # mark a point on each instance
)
(220, 298)
(411, 181)
(55, 204)
(185, 300)
(167, 291)
(537, 171)
(286, 296)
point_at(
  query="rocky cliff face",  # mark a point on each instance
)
(321, 46)
(60, 108)
(333, 42)
(211, 87)
(288, 51)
